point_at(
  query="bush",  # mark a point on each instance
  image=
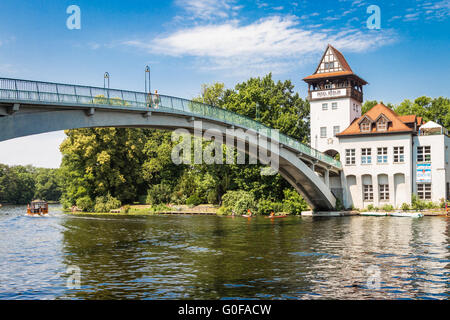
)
(223, 211)
(106, 204)
(212, 197)
(238, 201)
(265, 207)
(371, 207)
(388, 208)
(417, 204)
(85, 204)
(158, 193)
(405, 207)
(193, 200)
(442, 204)
(293, 202)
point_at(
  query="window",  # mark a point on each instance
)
(399, 154)
(323, 132)
(424, 154)
(365, 126)
(350, 157)
(368, 192)
(384, 191)
(329, 65)
(382, 124)
(382, 155)
(424, 191)
(366, 156)
(324, 106)
(334, 106)
(336, 130)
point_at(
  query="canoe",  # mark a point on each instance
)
(374, 213)
(246, 216)
(407, 214)
(275, 217)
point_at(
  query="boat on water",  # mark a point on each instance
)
(374, 213)
(407, 214)
(276, 217)
(37, 208)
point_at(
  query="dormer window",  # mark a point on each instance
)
(365, 126)
(382, 124)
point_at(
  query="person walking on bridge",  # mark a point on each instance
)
(156, 99)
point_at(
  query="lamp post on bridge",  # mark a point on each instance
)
(147, 74)
(105, 78)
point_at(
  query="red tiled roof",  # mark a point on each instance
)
(411, 118)
(342, 61)
(397, 123)
(328, 74)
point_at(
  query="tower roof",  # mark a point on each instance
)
(332, 64)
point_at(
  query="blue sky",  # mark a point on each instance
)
(191, 42)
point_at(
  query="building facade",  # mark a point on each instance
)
(386, 157)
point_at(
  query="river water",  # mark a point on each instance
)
(209, 257)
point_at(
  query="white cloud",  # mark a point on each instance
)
(276, 43)
(208, 9)
(439, 10)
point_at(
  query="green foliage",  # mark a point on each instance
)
(193, 200)
(212, 197)
(159, 193)
(85, 204)
(239, 202)
(387, 208)
(265, 207)
(293, 202)
(106, 204)
(21, 184)
(339, 205)
(435, 109)
(417, 204)
(371, 207)
(405, 207)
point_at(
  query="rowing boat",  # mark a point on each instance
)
(374, 213)
(275, 217)
(407, 214)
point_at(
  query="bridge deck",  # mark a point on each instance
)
(25, 91)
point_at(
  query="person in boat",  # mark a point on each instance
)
(272, 214)
(249, 212)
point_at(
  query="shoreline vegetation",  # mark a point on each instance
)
(208, 210)
(103, 169)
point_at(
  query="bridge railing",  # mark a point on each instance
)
(46, 92)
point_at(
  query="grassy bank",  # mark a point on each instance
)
(144, 210)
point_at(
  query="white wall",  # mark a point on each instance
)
(439, 166)
(341, 117)
(398, 175)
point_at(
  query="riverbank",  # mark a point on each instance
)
(206, 209)
(144, 210)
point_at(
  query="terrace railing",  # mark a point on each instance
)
(16, 90)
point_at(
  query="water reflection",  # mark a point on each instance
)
(185, 257)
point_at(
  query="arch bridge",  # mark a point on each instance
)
(34, 107)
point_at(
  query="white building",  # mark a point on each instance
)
(386, 157)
